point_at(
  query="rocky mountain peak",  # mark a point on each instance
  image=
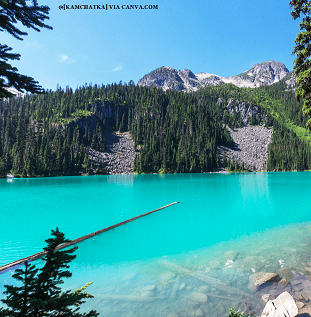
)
(164, 77)
(262, 74)
(187, 73)
(266, 73)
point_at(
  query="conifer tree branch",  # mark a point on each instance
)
(31, 16)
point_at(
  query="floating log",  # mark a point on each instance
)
(207, 279)
(127, 298)
(67, 244)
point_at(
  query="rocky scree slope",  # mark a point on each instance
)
(119, 156)
(250, 146)
(262, 74)
(250, 143)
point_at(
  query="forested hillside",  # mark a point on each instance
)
(58, 132)
(290, 148)
(52, 134)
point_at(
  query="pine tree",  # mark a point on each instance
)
(31, 16)
(302, 49)
(20, 297)
(40, 294)
(2, 169)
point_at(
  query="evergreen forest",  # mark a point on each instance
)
(55, 133)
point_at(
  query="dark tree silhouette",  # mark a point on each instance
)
(40, 294)
(302, 49)
(32, 16)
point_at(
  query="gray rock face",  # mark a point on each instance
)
(263, 74)
(169, 78)
(266, 73)
(291, 80)
(246, 110)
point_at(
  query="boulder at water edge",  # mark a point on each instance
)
(283, 306)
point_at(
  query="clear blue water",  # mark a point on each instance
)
(262, 217)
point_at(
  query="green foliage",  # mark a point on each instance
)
(77, 115)
(287, 152)
(178, 134)
(234, 313)
(40, 294)
(31, 16)
(19, 297)
(302, 49)
(233, 166)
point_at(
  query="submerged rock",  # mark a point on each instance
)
(148, 288)
(285, 273)
(147, 294)
(166, 278)
(284, 281)
(182, 286)
(203, 289)
(257, 280)
(199, 313)
(198, 297)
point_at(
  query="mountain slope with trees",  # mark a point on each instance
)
(57, 133)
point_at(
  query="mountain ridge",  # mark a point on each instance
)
(262, 74)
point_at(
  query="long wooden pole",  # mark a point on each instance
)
(67, 244)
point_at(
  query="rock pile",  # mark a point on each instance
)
(120, 154)
(251, 145)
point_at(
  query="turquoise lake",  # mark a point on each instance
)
(225, 226)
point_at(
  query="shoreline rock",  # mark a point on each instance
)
(283, 305)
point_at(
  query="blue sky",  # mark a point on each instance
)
(98, 46)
